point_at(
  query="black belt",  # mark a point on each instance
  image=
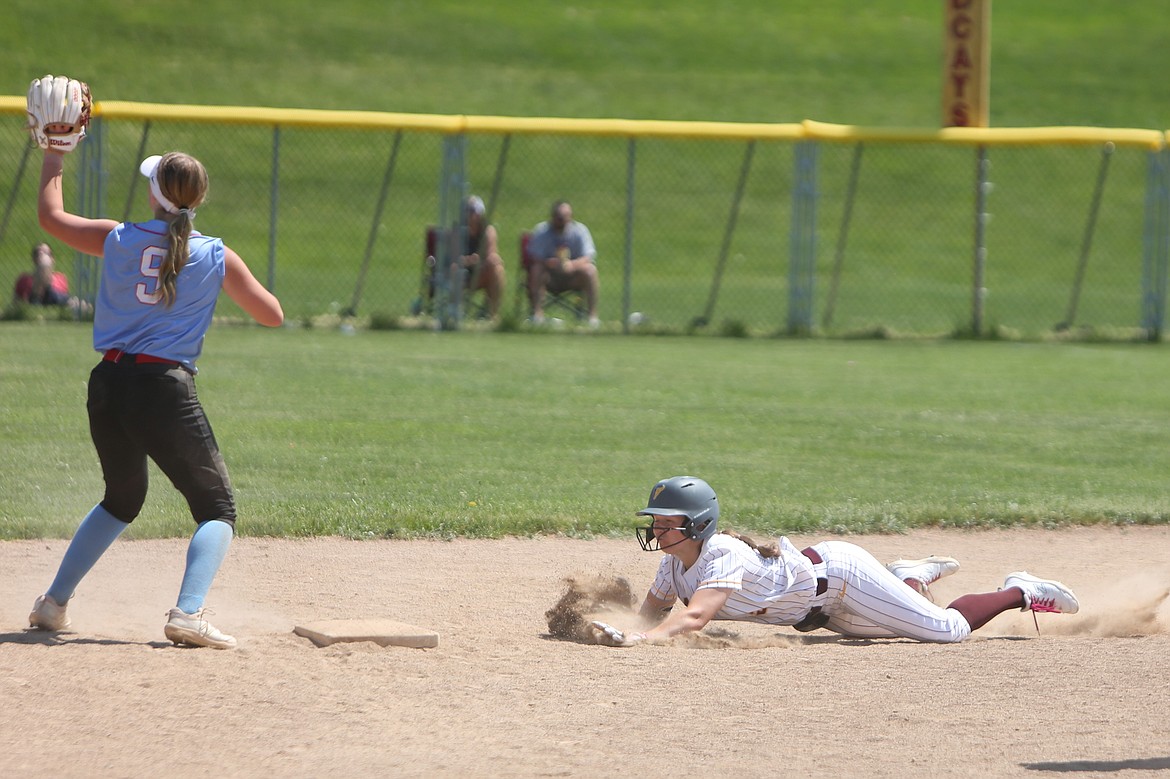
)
(815, 619)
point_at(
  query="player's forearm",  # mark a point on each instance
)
(685, 621)
(50, 200)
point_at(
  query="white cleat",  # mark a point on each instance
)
(48, 614)
(193, 629)
(925, 572)
(1044, 595)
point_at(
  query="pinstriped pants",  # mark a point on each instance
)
(865, 600)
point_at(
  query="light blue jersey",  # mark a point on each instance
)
(130, 313)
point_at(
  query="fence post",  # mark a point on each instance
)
(141, 155)
(803, 239)
(705, 318)
(387, 177)
(273, 207)
(448, 303)
(1087, 239)
(979, 260)
(1155, 244)
(631, 169)
(28, 147)
(842, 234)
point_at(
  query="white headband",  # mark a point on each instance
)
(149, 168)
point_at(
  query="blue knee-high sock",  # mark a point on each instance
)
(94, 535)
(205, 554)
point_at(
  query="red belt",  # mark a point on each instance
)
(814, 619)
(117, 355)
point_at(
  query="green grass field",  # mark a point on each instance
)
(390, 433)
(477, 434)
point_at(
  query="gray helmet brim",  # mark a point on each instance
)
(649, 512)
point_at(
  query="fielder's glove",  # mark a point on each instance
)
(608, 635)
(58, 112)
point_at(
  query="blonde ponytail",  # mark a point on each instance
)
(183, 181)
(179, 230)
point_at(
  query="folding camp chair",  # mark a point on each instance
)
(437, 259)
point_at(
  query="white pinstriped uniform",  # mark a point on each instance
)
(863, 598)
(775, 591)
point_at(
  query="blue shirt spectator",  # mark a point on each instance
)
(562, 258)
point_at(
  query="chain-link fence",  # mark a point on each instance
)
(699, 226)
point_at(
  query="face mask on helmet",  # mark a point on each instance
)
(648, 536)
(650, 542)
(690, 500)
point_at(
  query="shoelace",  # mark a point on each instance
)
(198, 615)
(1045, 605)
(205, 627)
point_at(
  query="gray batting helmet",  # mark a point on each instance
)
(681, 496)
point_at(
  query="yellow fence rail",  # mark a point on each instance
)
(626, 128)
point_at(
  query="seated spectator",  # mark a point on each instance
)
(44, 286)
(563, 258)
(480, 257)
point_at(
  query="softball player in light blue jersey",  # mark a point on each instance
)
(159, 285)
(833, 585)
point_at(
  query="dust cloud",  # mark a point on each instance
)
(588, 597)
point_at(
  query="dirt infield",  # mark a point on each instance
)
(1089, 696)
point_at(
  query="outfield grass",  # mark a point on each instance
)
(400, 433)
(392, 434)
